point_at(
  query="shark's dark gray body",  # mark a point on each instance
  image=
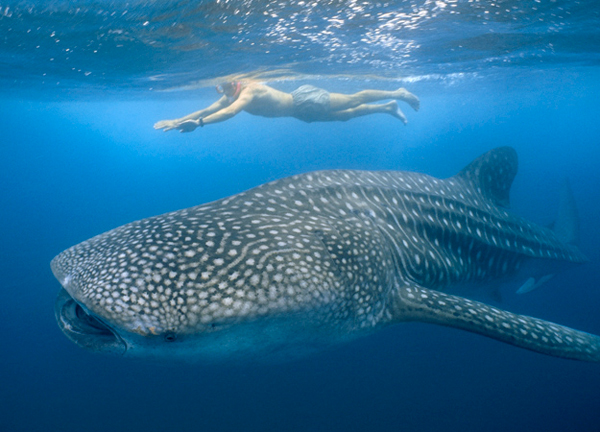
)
(310, 261)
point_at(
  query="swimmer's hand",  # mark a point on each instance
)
(167, 125)
(188, 125)
(183, 126)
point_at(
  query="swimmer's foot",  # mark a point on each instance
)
(404, 95)
(396, 112)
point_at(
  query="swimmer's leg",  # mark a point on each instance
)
(362, 110)
(341, 101)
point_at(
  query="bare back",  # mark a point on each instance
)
(266, 101)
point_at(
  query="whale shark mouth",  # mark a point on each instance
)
(85, 329)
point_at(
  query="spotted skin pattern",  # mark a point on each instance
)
(317, 259)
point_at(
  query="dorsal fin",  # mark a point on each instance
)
(492, 174)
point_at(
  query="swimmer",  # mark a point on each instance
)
(307, 103)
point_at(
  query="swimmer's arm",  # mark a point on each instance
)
(168, 125)
(221, 115)
(230, 111)
(218, 105)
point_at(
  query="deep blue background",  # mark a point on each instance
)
(73, 169)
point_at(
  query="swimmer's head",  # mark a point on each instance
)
(229, 89)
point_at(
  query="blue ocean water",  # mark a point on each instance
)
(82, 83)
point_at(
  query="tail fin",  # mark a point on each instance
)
(566, 229)
(566, 226)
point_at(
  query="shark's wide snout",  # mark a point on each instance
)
(85, 329)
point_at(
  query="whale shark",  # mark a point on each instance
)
(311, 261)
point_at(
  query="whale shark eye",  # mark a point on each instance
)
(170, 337)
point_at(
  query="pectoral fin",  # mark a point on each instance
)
(415, 303)
(531, 284)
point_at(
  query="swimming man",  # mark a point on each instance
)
(307, 103)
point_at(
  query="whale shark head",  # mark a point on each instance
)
(234, 276)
